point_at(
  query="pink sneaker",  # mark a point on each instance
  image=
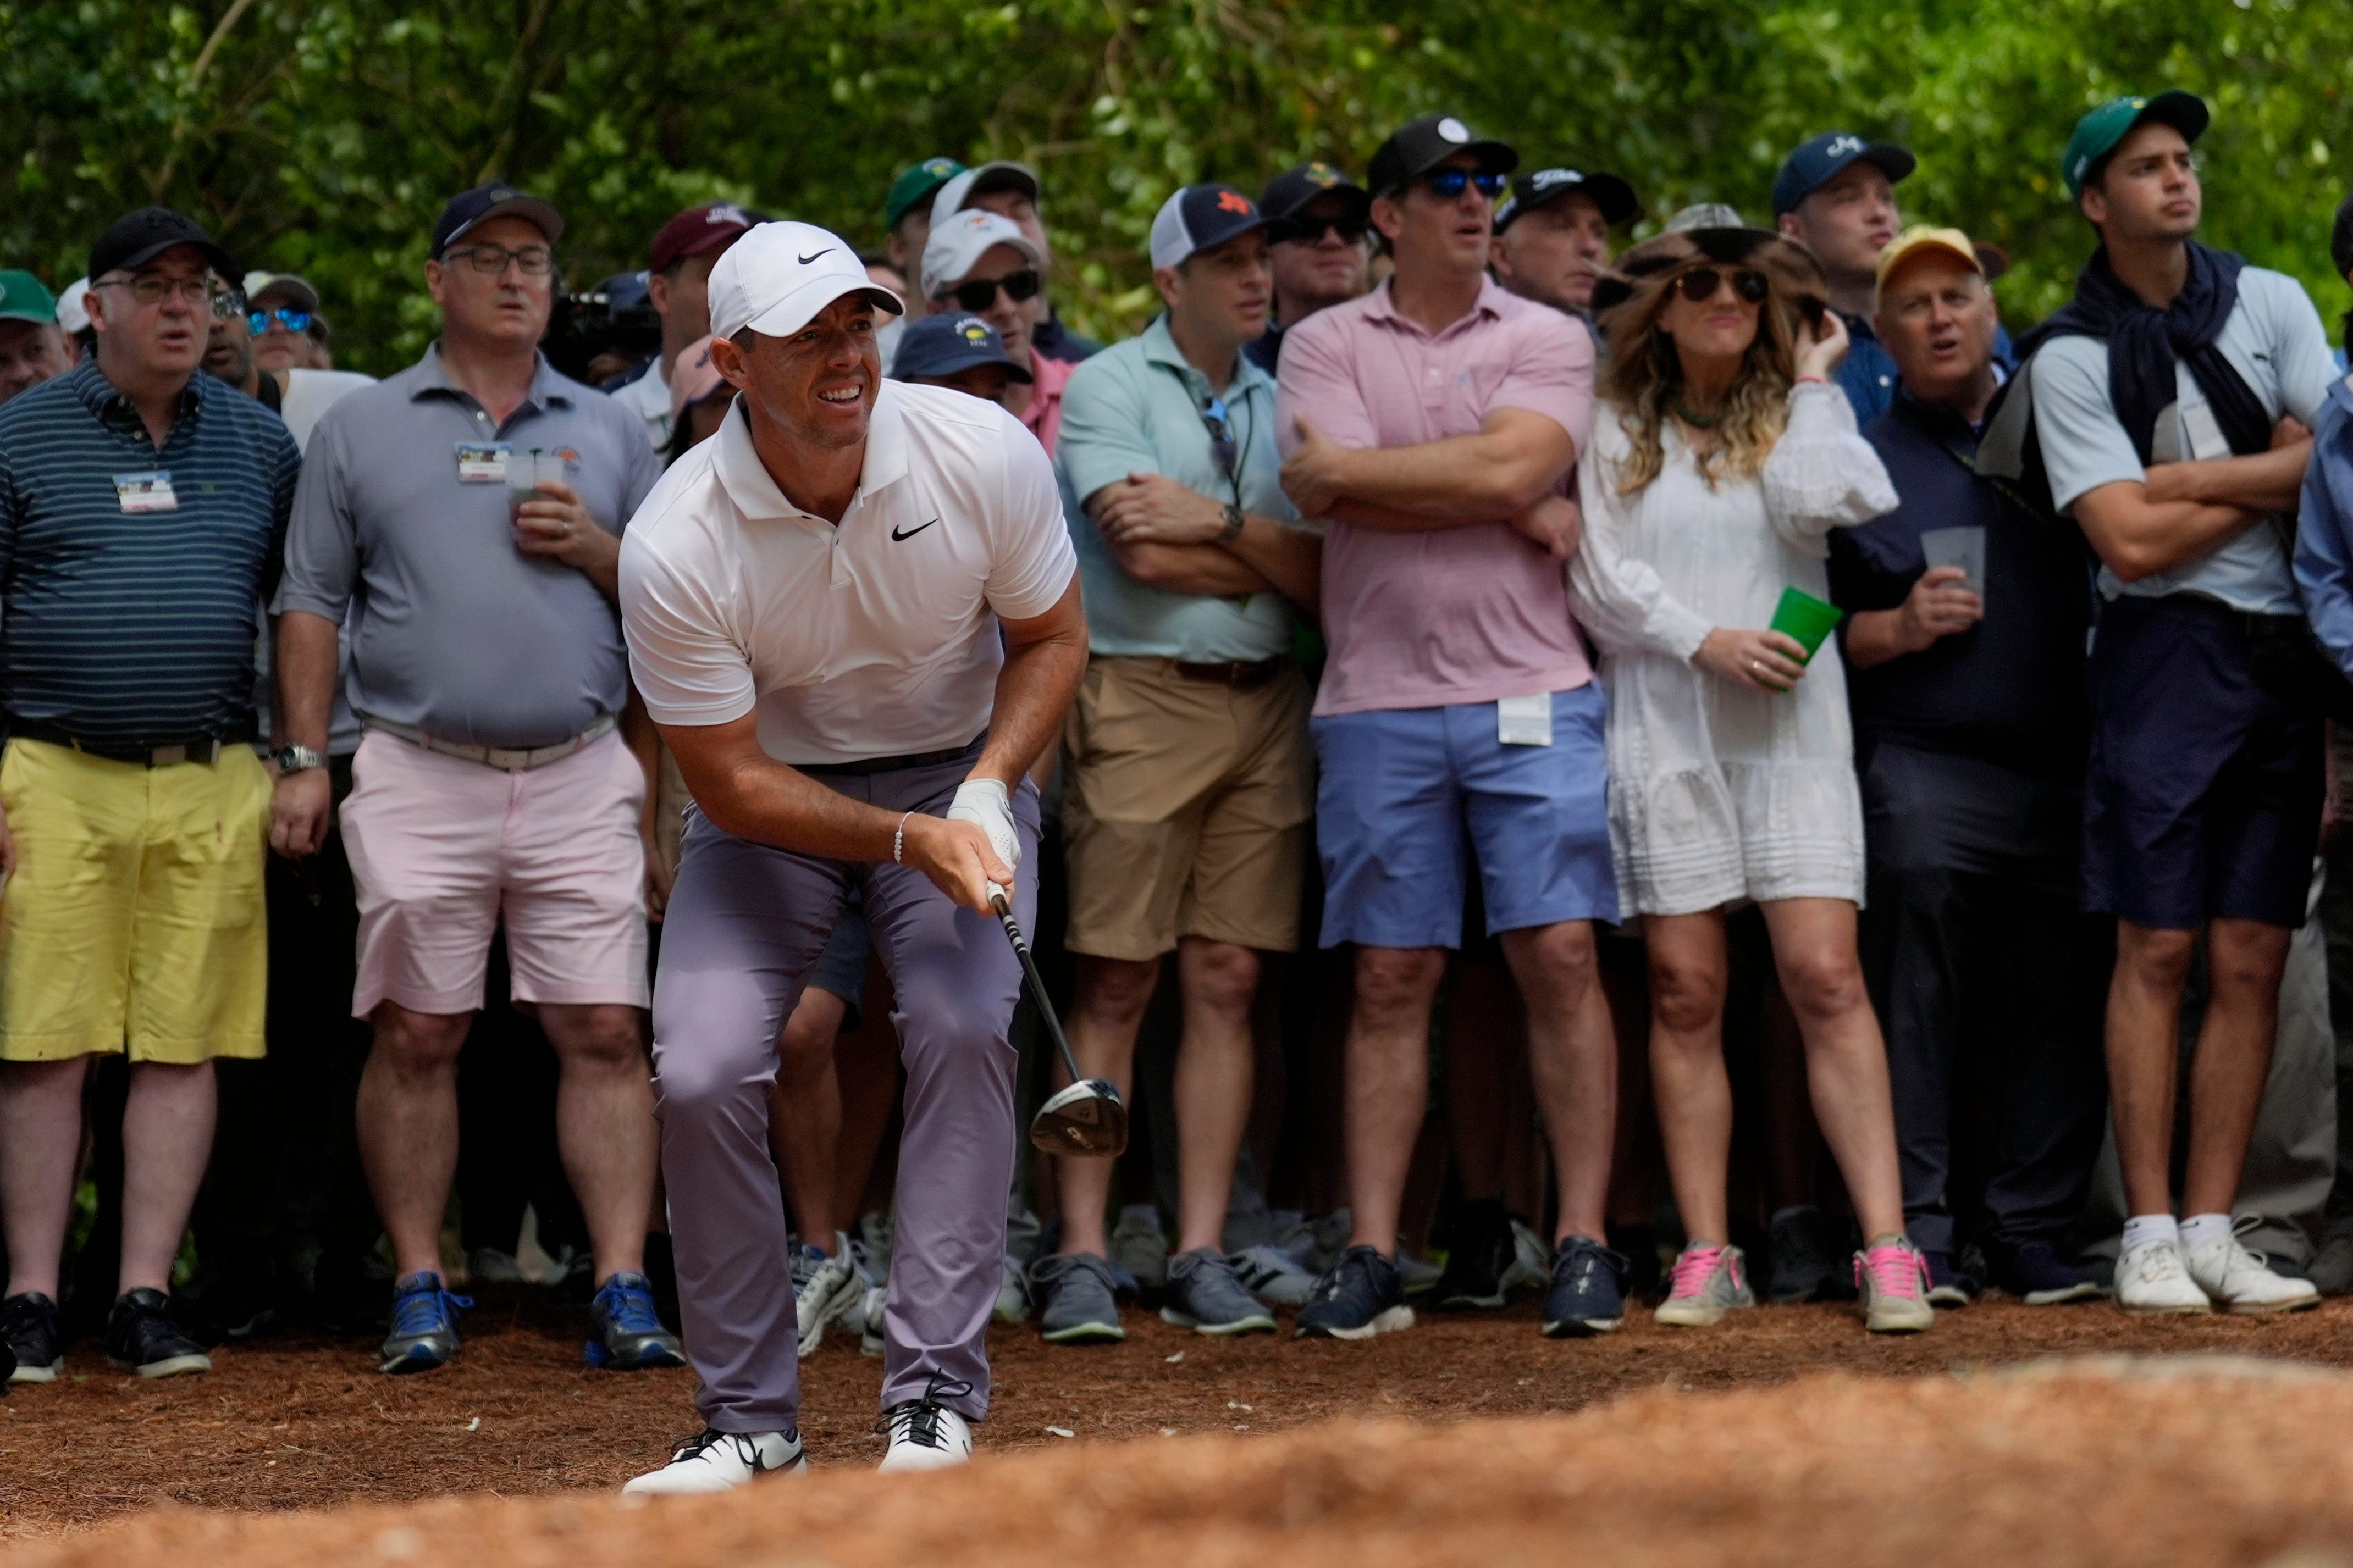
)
(1891, 1279)
(1708, 1281)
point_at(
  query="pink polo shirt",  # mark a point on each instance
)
(1463, 615)
(1044, 415)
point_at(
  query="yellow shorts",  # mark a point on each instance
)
(135, 918)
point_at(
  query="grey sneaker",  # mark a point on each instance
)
(1205, 1295)
(1076, 1288)
(1707, 1282)
(1139, 1246)
(1274, 1276)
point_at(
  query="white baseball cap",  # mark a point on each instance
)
(957, 245)
(982, 177)
(777, 278)
(73, 311)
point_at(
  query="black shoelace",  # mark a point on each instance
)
(921, 1416)
(705, 1441)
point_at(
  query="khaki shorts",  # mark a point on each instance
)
(1188, 810)
(134, 922)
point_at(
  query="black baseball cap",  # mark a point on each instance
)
(471, 209)
(1421, 144)
(948, 343)
(1815, 164)
(1288, 192)
(1613, 195)
(136, 238)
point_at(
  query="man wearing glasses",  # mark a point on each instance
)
(983, 264)
(1321, 258)
(1431, 425)
(466, 514)
(142, 510)
(240, 351)
(1187, 805)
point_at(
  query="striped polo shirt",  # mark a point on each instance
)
(125, 620)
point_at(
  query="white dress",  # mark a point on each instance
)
(1718, 794)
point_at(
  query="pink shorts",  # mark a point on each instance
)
(441, 847)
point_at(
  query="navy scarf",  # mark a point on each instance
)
(2145, 342)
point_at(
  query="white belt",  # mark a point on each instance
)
(507, 758)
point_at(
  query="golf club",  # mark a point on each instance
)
(1089, 1117)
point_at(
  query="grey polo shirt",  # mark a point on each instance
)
(401, 522)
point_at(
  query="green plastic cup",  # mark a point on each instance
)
(1801, 616)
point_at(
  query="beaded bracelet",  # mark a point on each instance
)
(898, 840)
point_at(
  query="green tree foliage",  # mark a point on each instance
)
(322, 135)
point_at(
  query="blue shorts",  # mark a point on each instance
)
(841, 967)
(1407, 794)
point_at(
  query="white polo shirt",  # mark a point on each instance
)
(875, 638)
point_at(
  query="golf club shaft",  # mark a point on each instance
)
(1037, 984)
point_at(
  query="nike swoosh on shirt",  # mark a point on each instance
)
(896, 536)
(813, 255)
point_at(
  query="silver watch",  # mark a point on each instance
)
(295, 759)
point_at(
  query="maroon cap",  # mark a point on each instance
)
(697, 229)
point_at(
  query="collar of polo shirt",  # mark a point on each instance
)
(755, 490)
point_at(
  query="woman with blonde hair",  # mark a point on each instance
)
(1722, 456)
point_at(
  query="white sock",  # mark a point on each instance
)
(2200, 1229)
(2144, 1228)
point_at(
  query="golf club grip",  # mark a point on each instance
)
(1037, 984)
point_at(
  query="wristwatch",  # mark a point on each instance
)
(1233, 515)
(293, 759)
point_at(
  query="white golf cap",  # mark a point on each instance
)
(73, 310)
(959, 242)
(777, 278)
(980, 179)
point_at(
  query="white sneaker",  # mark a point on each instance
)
(823, 1289)
(720, 1462)
(2239, 1280)
(925, 1436)
(870, 1320)
(2155, 1278)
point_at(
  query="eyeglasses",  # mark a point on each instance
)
(532, 260)
(1311, 230)
(1701, 283)
(285, 316)
(1449, 184)
(980, 293)
(153, 288)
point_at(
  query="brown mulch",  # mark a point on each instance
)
(1346, 1453)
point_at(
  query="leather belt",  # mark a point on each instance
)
(155, 753)
(1240, 676)
(871, 766)
(508, 759)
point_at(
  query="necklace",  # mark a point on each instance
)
(1696, 421)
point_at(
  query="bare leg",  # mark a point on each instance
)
(2244, 961)
(40, 1139)
(167, 1140)
(805, 1113)
(2144, 1047)
(1105, 1012)
(1215, 1067)
(1846, 1057)
(605, 1125)
(1388, 1082)
(408, 1128)
(1573, 1058)
(1687, 1077)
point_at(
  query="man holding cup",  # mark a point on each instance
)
(1964, 659)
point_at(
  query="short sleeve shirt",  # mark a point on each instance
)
(874, 637)
(1463, 615)
(2274, 339)
(402, 524)
(1136, 408)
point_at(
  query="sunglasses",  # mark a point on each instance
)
(1311, 230)
(981, 293)
(1223, 450)
(293, 321)
(1701, 283)
(1449, 184)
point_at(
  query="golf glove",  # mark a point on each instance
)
(983, 803)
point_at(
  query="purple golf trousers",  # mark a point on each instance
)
(744, 925)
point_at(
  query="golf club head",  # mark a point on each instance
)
(1088, 1118)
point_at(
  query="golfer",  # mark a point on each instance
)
(854, 613)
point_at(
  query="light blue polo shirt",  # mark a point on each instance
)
(1136, 408)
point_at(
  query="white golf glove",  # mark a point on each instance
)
(983, 803)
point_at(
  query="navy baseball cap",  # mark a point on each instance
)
(1288, 192)
(472, 208)
(1815, 164)
(946, 343)
(1201, 217)
(1613, 195)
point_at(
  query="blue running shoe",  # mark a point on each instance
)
(1588, 1291)
(1363, 1295)
(423, 1324)
(630, 1332)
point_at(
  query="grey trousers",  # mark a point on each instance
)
(744, 926)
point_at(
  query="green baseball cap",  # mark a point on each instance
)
(2097, 133)
(920, 184)
(22, 298)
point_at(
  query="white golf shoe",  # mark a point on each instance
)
(720, 1462)
(2153, 1278)
(924, 1434)
(2238, 1281)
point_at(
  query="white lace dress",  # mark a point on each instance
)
(1718, 794)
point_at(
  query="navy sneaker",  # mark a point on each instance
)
(28, 1326)
(141, 1335)
(1812, 1261)
(1363, 1295)
(423, 1324)
(1478, 1261)
(1588, 1291)
(1948, 1285)
(2038, 1275)
(1076, 1290)
(630, 1332)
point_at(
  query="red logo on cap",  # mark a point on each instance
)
(1232, 202)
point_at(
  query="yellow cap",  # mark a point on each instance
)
(1922, 237)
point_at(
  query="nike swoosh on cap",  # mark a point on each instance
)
(813, 255)
(896, 536)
